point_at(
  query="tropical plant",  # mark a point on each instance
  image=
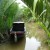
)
(41, 11)
(34, 6)
(26, 13)
(8, 9)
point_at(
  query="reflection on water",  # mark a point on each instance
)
(20, 45)
(32, 44)
(23, 44)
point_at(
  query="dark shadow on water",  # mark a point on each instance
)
(19, 45)
(24, 43)
(19, 41)
(20, 37)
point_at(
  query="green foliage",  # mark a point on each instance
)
(41, 10)
(27, 13)
(18, 15)
(39, 7)
(47, 32)
(8, 9)
(4, 5)
(29, 3)
(23, 13)
(10, 14)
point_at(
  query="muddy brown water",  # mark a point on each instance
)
(29, 42)
(24, 44)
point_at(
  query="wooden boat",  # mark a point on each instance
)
(17, 31)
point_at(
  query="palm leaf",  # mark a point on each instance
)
(29, 3)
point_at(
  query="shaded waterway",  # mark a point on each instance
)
(33, 40)
(24, 44)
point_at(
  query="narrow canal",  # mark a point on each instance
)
(33, 40)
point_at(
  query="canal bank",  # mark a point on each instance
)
(34, 39)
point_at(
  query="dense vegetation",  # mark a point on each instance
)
(7, 12)
(38, 10)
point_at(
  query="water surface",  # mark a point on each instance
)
(32, 44)
(24, 44)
